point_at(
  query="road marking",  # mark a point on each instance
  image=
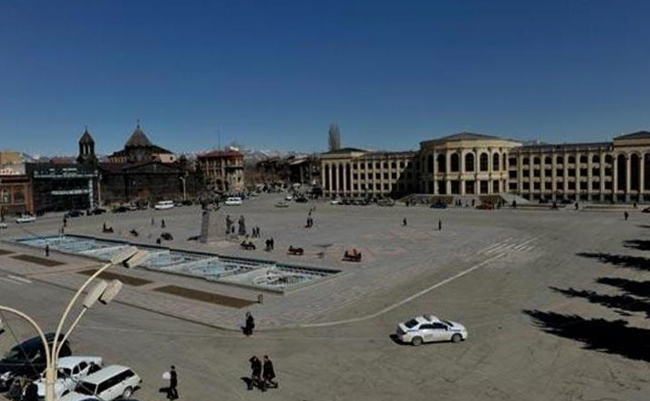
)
(408, 299)
(24, 280)
(14, 282)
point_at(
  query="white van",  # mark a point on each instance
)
(71, 370)
(234, 201)
(163, 205)
(108, 384)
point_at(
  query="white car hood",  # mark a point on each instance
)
(74, 396)
(58, 387)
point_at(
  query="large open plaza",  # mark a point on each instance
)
(555, 301)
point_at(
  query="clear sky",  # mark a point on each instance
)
(273, 74)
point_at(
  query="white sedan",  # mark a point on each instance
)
(26, 218)
(71, 370)
(3, 225)
(428, 328)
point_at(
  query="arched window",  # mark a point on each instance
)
(455, 162)
(484, 162)
(430, 163)
(536, 160)
(609, 159)
(584, 159)
(572, 159)
(526, 162)
(595, 159)
(442, 163)
(559, 160)
(469, 162)
(495, 162)
(548, 160)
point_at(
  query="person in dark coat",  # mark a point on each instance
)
(172, 393)
(439, 225)
(47, 250)
(626, 215)
(256, 372)
(269, 373)
(404, 223)
(249, 325)
(31, 392)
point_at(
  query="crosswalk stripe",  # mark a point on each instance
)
(24, 280)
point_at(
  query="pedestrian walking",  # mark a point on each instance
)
(249, 325)
(272, 243)
(162, 223)
(65, 222)
(439, 225)
(626, 215)
(47, 250)
(172, 393)
(256, 372)
(269, 373)
(404, 223)
(153, 222)
(31, 391)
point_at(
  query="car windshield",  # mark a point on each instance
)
(448, 323)
(411, 323)
(14, 354)
(86, 388)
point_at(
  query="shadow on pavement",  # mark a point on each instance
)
(622, 302)
(612, 337)
(631, 287)
(634, 262)
(637, 244)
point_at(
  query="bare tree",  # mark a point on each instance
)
(334, 137)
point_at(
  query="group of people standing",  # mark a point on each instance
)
(22, 389)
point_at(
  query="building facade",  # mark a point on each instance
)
(15, 195)
(62, 187)
(222, 170)
(475, 164)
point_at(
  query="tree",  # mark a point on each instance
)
(334, 137)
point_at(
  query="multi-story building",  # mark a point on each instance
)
(475, 164)
(15, 195)
(60, 187)
(222, 170)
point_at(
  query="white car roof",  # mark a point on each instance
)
(427, 319)
(72, 361)
(105, 373)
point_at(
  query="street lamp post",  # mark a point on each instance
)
(184, 193)
(103, 292)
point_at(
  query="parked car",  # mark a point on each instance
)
(336, 201)
(120, 209)
(439, 205)
(288, 198)
(282, 204)
(108, 384)
(164, 205)
(27, 359)
(71, 369)
(3, 225)
(72, 214)
(428, 328)
(25, 218)
(97, 211)
(233, 201)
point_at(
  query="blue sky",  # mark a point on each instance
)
(274, 74)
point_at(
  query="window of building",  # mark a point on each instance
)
(548, 160)
(595, 172)
(584, 159)
(572, 185)
(537, 186)
(548, 172)
(354, 166)
(455, 162)
(355, 176)
(377, 165)
(559, 172)
(401, 164)
(512, 174)
(484, 161)
(512, 161)
(608, 171)
(595, 159)
(469, 162)
(526, 161)
(385, 164)
(526, 172)
(595, 185)
(559, 160)
(385, 187)
(363, 176)
(548, 186)
(393, 165)
(572, 172)
(572, 159)
(512, 186)
(583, 172)
(608, 185)
(536, 160)
(526, 186)
(363, 187)
(609, 159)
(536, 173)
(377, 176)
(385, 176)
(393, 175)
(495, 163)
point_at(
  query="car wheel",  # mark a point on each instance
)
(456, 338)
(128, 392)
(416, 341)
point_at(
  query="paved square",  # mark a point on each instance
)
(556, 304)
